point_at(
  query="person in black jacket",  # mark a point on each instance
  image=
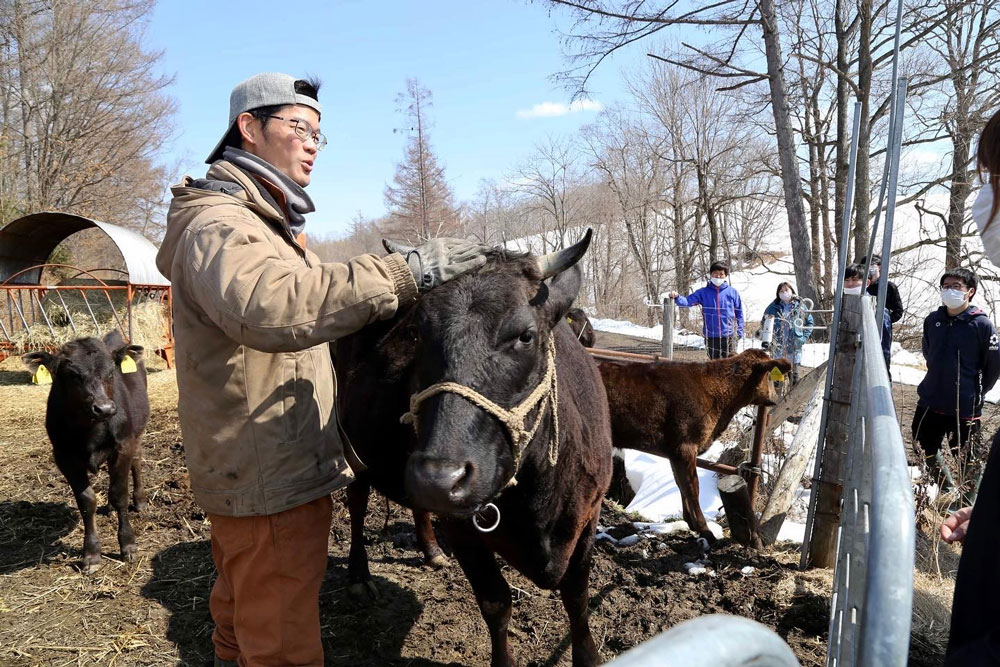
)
(961, 347)
(893, 304)
(892, 301)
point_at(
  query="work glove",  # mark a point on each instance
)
(439, 260)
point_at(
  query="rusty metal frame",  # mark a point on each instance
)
(15, 293)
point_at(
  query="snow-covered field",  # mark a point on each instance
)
(916, 273)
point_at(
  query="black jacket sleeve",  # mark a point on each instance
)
(990, 346)
(893, 303)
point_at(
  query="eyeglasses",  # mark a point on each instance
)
(304, 131)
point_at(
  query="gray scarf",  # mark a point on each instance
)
(299, 202)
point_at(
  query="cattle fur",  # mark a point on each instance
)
(96, 414)
(468, 331)
(677, 409)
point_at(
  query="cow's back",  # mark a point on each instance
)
(655, 407)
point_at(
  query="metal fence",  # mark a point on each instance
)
(873, 581)
(716, 640)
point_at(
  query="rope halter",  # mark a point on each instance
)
(513, 419)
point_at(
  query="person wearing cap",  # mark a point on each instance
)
(253, 311)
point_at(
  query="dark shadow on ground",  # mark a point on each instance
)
(15, 377)
(30, 532)
(357, 631)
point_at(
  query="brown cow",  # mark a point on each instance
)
(676, 409)
(97, 411)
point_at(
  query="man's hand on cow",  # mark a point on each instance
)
(439, 260)
(956, 526)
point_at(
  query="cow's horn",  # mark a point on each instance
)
(557, 262)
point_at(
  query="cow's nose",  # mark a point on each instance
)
(440, 485)
(104, 409)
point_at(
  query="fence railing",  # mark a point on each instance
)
(873, 582)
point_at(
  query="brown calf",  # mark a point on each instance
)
(676, 409)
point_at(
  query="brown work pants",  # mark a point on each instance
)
(265, 602)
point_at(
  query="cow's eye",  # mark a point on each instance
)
(526, 337)
(413, 333)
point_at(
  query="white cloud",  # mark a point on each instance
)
(552, 109)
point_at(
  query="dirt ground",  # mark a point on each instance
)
(155, 611)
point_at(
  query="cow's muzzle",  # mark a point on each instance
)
(440, 485)
(103, 409)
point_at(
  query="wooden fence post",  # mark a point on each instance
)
(668, 328)
(833, 470)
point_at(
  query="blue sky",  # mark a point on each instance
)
(483, 61)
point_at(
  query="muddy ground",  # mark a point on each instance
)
(155, 611)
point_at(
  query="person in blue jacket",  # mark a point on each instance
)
(963, 363)
(788, 337)
(721, 309)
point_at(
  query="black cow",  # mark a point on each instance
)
(581, 326)
(490, 333)
(97, 411)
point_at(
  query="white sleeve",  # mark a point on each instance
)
(980, 213)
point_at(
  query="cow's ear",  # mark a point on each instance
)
(134, 351)
(562, 291)
(35, 359)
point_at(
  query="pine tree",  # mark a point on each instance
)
(420, 200)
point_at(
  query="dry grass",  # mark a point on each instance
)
(149, 326)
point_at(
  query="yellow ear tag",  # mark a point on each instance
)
(777, 375)
(128, 365)
(42, 376)
(570, 320)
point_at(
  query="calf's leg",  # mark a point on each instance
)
(433, 555)
(575, 593)
(685, 468)
(358, 574)
(491, 589)
(86, 500)
(119, 467)
(138, 490)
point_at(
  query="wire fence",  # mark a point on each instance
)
(873, 582)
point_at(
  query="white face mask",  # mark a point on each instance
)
(718, 282)
(852, 290)
(953, 298)
(785, 296)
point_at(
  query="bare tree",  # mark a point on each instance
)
(967, 46)
(547, 182)
(83, 114)
(604, 26)
(420, 199)
(627, 157)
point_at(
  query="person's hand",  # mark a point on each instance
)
(439, 260)
(672, 295)
(956, 526)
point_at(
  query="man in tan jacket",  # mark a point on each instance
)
(253, 312)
